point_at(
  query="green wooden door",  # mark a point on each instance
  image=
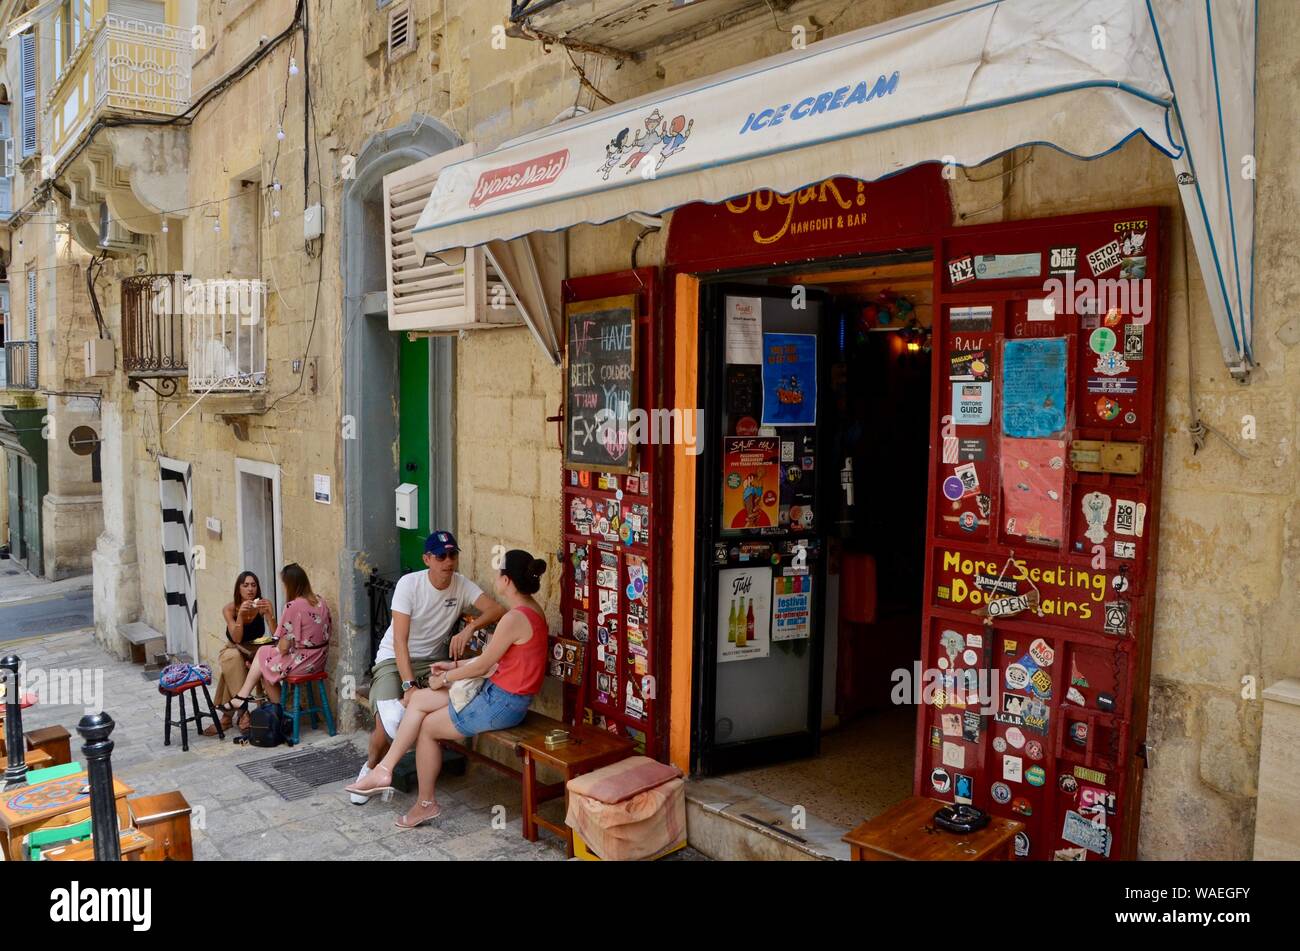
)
(16, 549)
(413, 443)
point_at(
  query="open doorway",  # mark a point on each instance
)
(852, 493)
(257, 492)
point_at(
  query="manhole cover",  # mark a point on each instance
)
(294, 775)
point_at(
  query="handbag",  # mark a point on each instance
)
(461, 692)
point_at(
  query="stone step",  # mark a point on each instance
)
(728, 822)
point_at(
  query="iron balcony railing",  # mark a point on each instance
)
(20, 364)
(153, 325)
(225, 335)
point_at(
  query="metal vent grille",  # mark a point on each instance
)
(296, 775)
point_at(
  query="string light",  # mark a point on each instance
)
(279, 133)
(293, 66)
(216, 226)
(164, 225)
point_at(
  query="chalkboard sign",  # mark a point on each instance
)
(600, 384)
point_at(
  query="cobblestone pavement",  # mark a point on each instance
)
(240, 818)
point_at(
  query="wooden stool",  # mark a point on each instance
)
(292, 685)
(165, 819)
(199, 681)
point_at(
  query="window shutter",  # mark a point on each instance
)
(27, 55)
(430, 295)
(31, 327)
(401, 32)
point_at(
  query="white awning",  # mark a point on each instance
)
(959, 83)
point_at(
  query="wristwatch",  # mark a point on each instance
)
(407, 685)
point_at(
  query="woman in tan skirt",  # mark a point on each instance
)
(249, 617)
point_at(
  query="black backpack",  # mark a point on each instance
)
(269, 726)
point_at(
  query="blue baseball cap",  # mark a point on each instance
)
(440, 543)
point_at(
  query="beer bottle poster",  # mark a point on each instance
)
(751, 483)
(789, 379)
(600, 384)
(744, 613)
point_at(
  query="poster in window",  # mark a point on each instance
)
(744, 613)
(1033, 387)
(792, 607)
(1033, 489)
(751, 483)
(789, 379)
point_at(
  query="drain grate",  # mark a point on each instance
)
(294, 775)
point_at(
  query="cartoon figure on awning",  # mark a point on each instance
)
(613, 152)
(679, 130)
(646, 142)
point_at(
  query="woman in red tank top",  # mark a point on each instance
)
(514, 663)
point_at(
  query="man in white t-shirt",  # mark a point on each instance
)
(426, 607)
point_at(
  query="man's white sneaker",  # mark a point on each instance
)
(358, 800)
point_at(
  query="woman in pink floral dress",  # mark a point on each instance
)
(301, 640)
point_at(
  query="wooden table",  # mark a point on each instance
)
(55, 802)
(134, 846)
(906, 832)
(588, 748)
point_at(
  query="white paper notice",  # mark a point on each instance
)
(1040, 309)
(1013, 769)
(321, 488)
(954, 755)
(744, 330)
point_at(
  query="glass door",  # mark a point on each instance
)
(759, 657)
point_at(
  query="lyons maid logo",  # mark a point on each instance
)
(826, 101)
(521, 176)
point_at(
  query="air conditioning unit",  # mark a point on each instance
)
(426, 294)
(112, 234)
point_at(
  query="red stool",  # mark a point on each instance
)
(292, 688)
(177, 680)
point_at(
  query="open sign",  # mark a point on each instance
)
(1006, 607)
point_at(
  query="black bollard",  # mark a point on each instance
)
(98, 750)
(16, 771)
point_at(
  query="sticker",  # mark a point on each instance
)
(1041, 684)
(1022, 845)
(1012, 768)
(954, 755)
(1074, 696)
(996, 585)
(787, 451)
(953, 488)
(1130, 417)
(962, 270)
(1111, 364)
(992, 267)
(970, 450)
(1096, 511)
(1108, 409)
(1079, 734)
(1121, 386)
(1130, 517)
(1116, 618)
(1009, 648)
(1126, 549)
(972, 404)
(1105, 702)
(970, 657)
(1001, 793)
(1021, 806)
(970, 479)
(1068, 784)
(1090, 775)
(1086, 834)
(1034, 749)
(970, 318)
(943, 663)
(970, 366)
(1015, 738)
(1041, 653)
(1113, 317)
(936, 738)
(1035, 776)
(999, 745)
(1119, 583)
(1017, 677)
(970, 726)
(950, 450)
(985, 505)
(1040, 309)
(940, 780)
(1102, 340)
(951, 724)
(1104, 258)
(974, 640)
(1063, 260)
(968, 521)
(1134, 343)
(963, 789)
(1097, 804)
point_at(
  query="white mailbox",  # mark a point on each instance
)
(408, 496)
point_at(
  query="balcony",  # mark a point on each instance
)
(153, 326)
(225, 335)
(20, 364)
(125, 66)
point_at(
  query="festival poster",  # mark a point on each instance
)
(792, 607)
(751, 483)
(1033, 487)
(789, 379)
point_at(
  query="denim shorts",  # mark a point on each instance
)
(492, 709)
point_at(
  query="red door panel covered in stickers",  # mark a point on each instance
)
(608, 654)
(1046, 408)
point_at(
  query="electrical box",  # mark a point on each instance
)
(407, 503)
(99, 357)
(313, 222)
